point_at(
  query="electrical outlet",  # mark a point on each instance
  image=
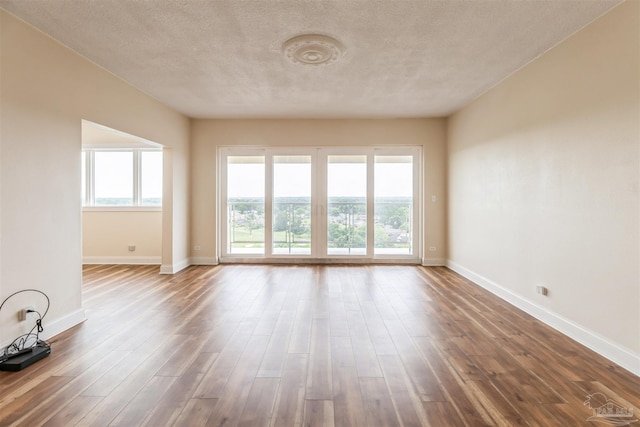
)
(132, 248)
(196, 248)
(432, 248)
(542, 290)
(27, 313)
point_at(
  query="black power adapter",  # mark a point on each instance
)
(27, 357)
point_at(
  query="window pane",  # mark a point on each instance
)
(393, 205)
(113, 178)
(347, 205)
(245, 204)
(292, 205)
(151, 178)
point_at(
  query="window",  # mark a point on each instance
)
(151, 178)
(113, 178)
(323, 202)
(122, 177)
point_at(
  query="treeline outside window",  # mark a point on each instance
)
(122, 177)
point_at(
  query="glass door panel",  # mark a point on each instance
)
(347, 205)
(245, 205)
(393, 205)
(291, 205)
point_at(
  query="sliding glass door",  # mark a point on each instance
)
(394, 204)
(346, 204)
(245, 204)
(291, 215)
(320, 203)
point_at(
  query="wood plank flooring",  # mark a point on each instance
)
(342, 346)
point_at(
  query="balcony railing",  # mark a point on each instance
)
(346, 227)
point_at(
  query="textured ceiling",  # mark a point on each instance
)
(223, 58)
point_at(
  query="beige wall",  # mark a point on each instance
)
(46, 92)
(543, 186)
(106, 236)
(207, 135)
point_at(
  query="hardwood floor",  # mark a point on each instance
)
(248, 345)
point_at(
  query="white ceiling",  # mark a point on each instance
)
(223, 58)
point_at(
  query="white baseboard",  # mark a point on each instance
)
(434, 262)
(174, 268)
(60, 325)
(601, 345)
(203, 261)
(128, 260)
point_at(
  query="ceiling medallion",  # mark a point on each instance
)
(313, 50)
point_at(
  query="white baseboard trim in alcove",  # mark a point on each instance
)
(125, 260)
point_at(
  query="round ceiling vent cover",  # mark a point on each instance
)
(313, 49)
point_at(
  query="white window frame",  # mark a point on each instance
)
(318, 203)
(88, 199)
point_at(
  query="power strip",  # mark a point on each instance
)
(28, 358)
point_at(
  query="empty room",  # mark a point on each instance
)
(319, 213)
